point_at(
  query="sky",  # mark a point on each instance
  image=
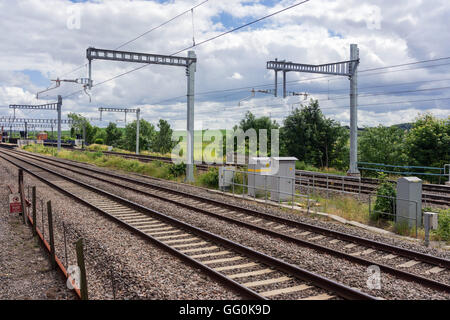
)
(43, 40)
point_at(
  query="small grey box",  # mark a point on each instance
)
(226, 175)
(258, 181)
(433, 216)
(283, 178)
(409, 201)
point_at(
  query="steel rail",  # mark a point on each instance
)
(324, 231)
(319, 178)
(302, 274)
(396, 272)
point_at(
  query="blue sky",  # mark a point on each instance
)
(321, 31)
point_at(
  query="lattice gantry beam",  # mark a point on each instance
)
(117, 110)
(24, 120)
(50, 106)
(344, 68)
(113, 55)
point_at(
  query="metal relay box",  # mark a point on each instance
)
(283, 178)
(226, 175)
(409, 201)
(259, 170)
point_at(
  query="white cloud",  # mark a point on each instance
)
(35, 37)
(237, 76)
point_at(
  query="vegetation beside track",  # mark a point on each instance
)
(346, 207)
(155, 169)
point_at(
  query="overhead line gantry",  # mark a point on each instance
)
(189, 62)
(344, 68)
(49, 106)
(126, 111)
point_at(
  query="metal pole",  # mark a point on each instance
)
(82, 266)
(65, 245)
(59, 122)
(190, 118)
(276, 81)
(284, 84)
(84, 135)
(22, 196)
(138, 113)
(51, 234)
(90, 77)
(426, 221)
(34, 211)
(354, 55)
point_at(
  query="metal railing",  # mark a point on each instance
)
(267, 188)
(305, 189)
(396, 217)
(442, 171)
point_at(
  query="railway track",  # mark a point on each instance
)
(406, 264)
(245, 270)
(433, 194)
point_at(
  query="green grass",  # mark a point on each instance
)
(343, 206)
(300, 165)
(155, 169)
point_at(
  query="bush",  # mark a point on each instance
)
(443, 231)
(177, 170)
(99, 141)
(97, 147)
(385, 203)
(211, 178)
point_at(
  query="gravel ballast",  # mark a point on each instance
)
(25, 270)
(139, 269)
(338, 269)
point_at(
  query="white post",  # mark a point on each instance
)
(59, 122)
(354, 55)
(138, 113)
(191, 69)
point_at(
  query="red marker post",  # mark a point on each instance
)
(15, 205)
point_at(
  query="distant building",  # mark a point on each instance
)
(42, 136)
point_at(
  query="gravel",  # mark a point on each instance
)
(25, 271)
(338, 269)
(140, 270)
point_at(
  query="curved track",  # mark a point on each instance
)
(227, 261)
(433, 193)
(400, 262)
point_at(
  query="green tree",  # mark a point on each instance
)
(113, 135)
(311, 137)
(163, 139)
(383, 145)
(146, 136)
(77, 126)
(251, 122)
(428, 142)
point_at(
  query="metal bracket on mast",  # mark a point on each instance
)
(188, 62)
(344, 68)
(58, 84)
